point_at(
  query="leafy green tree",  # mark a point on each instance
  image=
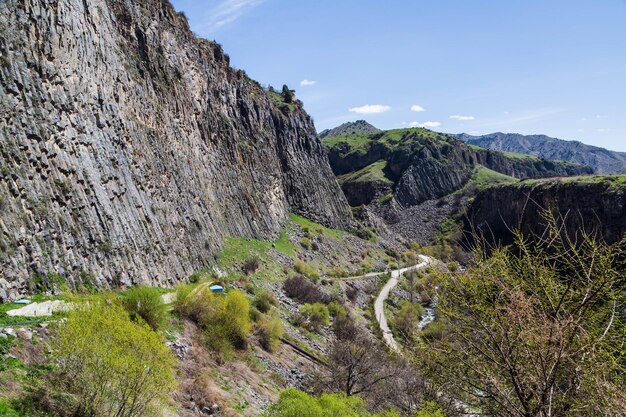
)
(288, 95)
(114, 366)
(145, 303)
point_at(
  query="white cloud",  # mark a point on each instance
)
(306, 83)
(226, 12)
(417, 108)
(370, 109)
(462, 118)
(428, 124)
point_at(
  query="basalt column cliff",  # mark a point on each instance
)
(130, 148)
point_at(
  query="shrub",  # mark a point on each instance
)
(270, 329)
(336, 310)
(230, 320)
(316, 314)
(295, 403)
(255, 314)
(145, 303)
(344, 327)
(183, 302)
(305, 242)
(338, 272)
(114, 366)
(264, 301)
(198, 276)
(301, 267)
(225, 319)
(407, 319)
(352, 293)
(303, 290)
(251, 265)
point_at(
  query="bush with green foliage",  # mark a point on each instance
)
(145, 303)
(224, 318)
(270, 329)
(264, 301)
(430, 409)
(407, 319)
(295, 403)
(303, 268)
(305, 242)
(316, 315)
(114, 367)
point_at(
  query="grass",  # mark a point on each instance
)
(521, 156)
(485, 177)
(279, 102)
(371, 173)
(316, 228)
(613, 182)
(359, 142)
(392, 139)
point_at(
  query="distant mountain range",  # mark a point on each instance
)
(601, 160)
(360, 126)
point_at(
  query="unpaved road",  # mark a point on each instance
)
(379, 304)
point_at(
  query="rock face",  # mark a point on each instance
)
(600, 159)
(405, 181)
(597, 206)
(423, 165)
(360, 126)
(130, 148)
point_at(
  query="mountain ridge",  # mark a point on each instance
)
(357, 127)
(601, 159)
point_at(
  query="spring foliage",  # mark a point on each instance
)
(145, 303)
(114, 366)
(295, 403)
(224, 318)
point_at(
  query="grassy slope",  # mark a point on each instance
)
(371, 173)
(485, 177)
(615, 180)
(392, 139)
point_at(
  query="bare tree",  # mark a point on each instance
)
(533, 329)
(357, 367)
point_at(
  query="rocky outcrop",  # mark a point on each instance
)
(130, 148)
(596, 206)
(424, 165)
(350, 128)
(600, 159)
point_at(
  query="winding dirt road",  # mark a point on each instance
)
(379, 304)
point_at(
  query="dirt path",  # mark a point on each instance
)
(379, 304)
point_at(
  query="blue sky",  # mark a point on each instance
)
(556, 67)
